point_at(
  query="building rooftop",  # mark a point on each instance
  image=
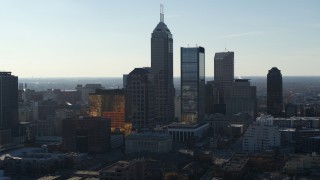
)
(186, 126)
(149, 136)
(161, 27)
(118, 165)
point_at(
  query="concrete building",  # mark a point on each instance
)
(291, 110)
(33, 164)
(210, 97)
(192, 84)
(302, 135)
(162, 72)
(8, 101)
(242, 98)
(125, 170)
(180, 132)
(220, 124)
(236, 167)
(299, 163)
(311, 144)
(274, 92)
(86, 134)
(148, 142)
(292, 122)
(86, 90)
(138, 94)
(223, 75)
(177, 108)
(260, 137)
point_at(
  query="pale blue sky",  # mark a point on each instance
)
(100, 38)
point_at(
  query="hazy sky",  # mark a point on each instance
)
(100, 38)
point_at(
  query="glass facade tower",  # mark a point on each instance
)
(192, 84)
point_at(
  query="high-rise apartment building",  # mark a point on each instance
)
(274, 92)
(223, 75)
(137, 98)
(8, 100)
(192, 84)
(162, 71)
(242, 99)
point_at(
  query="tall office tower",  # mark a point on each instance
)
(243, 99)
(274, 92)
(137, 99)
(223, 75)
(192, 85)
(162, 71)
(8, 100)
(108, 103)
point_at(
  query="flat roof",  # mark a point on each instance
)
(148, 136)
(186, 126)
(117, 165)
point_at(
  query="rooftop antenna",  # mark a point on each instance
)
(161, 13)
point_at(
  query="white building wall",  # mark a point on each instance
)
(260, 137)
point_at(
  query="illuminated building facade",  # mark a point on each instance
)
(109, 103)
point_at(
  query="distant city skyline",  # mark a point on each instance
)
(79, 38)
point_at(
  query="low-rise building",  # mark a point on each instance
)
(180, 132)
(260, 137)
(134, 170)
(299, 163)
(236, 167)
(148, 142)
(33, 164)
(292, 122)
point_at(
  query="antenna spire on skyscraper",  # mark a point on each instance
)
(161, 13)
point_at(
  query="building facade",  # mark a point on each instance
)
(274, 92)
(260, 137)
(86, 134)
(138, 90)
(242, 99)
(223, 75)
(148, 142)
(8, 100)
(184, 132)
(162, 71)
(121, 170)
(109, 103)
(192, 84)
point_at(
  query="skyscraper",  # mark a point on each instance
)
(138, 92)
(223, 74)
(162, 71)
(192, 84)
(242, 99)
(274, 92)
(8, 100)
